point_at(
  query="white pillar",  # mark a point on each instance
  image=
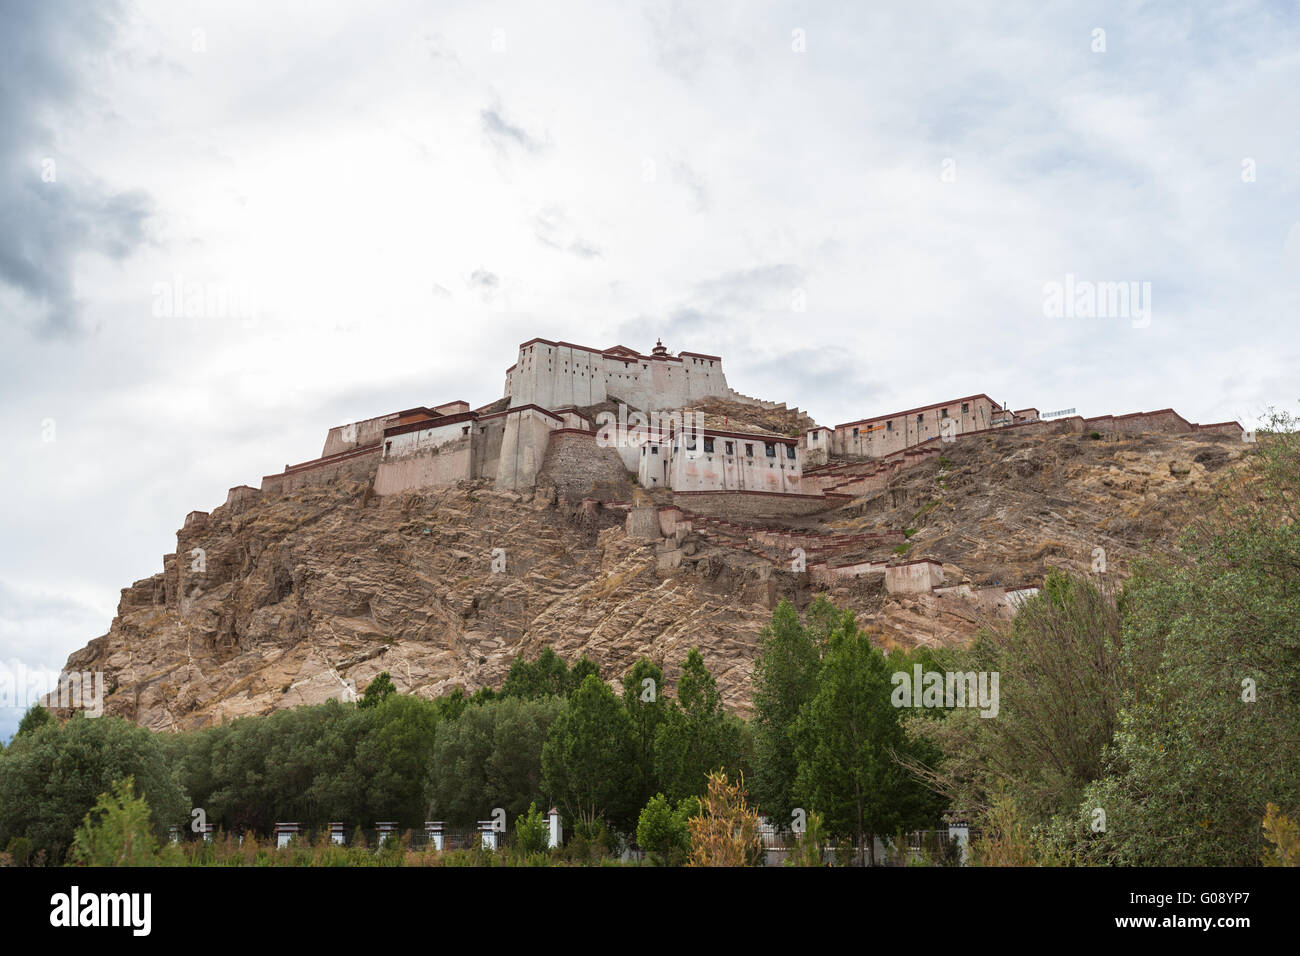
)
(556, 835)
(434, 829)
(961, 833)
(488, 834)
(386, 828)
(284, 832)
(337, 834)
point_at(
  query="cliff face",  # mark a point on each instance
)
(276, 602)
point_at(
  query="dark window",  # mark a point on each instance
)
(749, 451)
(965, 407)
(730, 448)
(889, 426)
(708, 444)
(654, 449)
(945, 413)
(920, 419)
(388, 446)
(855, 433)
(465, 430)
(789, 452)
(770, 448)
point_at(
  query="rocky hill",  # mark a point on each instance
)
(281, 601)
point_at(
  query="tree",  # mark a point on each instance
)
(641, 689)
(1058, 662)
(36, 717)
(663, 832)
(377, 690)
(808, 845)
(532, 835)
(582, 669)
(393, 758)
(1206, 733)
(785, 678)
(548, 676)
(489, 757)
(50, 778)
(725, 830)
(846, 741)
(695, 736)
(115, 832)
(589, 759)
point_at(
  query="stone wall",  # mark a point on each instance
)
(577, 468)
(914, 577)
(368, 431)
(432, 467)
(750, 504)
(359, 465)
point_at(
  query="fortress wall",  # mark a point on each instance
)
(343, 438)
(523, 446)
(886, 434)
(433, 466)
(554, 375)
(486, 455)
(577, 468)
(749, 504)
(240, 498)
(915, 577)
(359, 465)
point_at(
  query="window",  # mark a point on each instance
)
(789, 452)
(731, 449)
(388, 447)
(654, 449)
(465, 430)
(920, 419)
(855, 433)
(965, 408)
(945, 413)
(749, 450)
(708, 444)
(889, 426)
(770, 448)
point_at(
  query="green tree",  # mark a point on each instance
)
(532, 834)
(589, 759)
(377, 690)
(50, 778)
(35, 718)
(664, 832)
(1207, 730)
(582, 669)
(1060, 680)
(847, 742)
(641, 689)
(115, 832)
(489, 757)
(695, 737)
(548, 676)
(785, 678)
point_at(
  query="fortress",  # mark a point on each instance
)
(592, 423)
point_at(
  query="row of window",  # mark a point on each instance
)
(768, 447)
(920, 420)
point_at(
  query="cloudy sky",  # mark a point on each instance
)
(861, 207)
